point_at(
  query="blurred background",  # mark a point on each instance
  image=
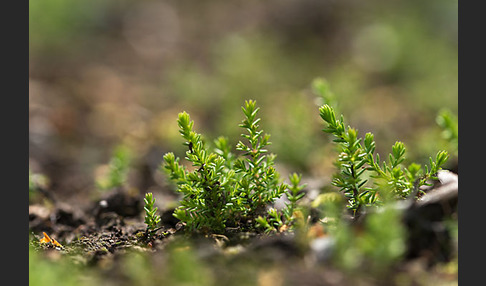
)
(105, 73)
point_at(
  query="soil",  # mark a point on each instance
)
(101, 234)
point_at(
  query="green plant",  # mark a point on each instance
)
(392, 176)
(118, 168)
(152, 220)
(350, 162)
(224, 189)
(294, 194)
(355, 159)
(280, 221)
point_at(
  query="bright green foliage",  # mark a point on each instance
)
(272, 223)
(206, 188)
(259, 182)
(151, 218)
(351, 161)
(118, 168)
(224, 189)
(276, 221)
(294, 194)
(393, 176)
(354, 159)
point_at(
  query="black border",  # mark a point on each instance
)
(471, 206)
(14, 25)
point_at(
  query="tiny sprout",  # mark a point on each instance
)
(151, 218)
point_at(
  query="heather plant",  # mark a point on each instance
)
(357, 163)
(367, 181)
(224, 189)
